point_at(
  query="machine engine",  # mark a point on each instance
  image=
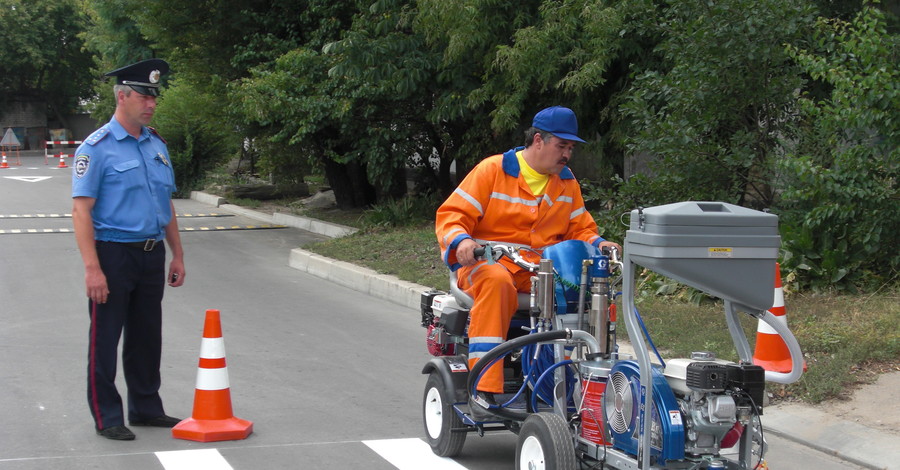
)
(444, 320)
(716, 398)
(700, 405)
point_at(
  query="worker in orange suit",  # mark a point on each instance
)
(526, 197)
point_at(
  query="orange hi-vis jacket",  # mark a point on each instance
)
(494, 204)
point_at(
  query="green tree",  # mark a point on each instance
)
(716, 107)
(841, 221)
(42, 54)
(115, 39)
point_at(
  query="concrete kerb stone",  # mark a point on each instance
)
(853, 442)
(358, 278)
(310, 225)
(207, 198)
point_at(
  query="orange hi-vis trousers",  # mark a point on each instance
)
(494, 290)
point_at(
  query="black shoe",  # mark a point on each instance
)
(117, 433)
(485, 398)
(158, 422)
(479, 406)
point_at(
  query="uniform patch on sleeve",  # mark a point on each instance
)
(82, 162)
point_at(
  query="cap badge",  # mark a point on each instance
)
(154, 76)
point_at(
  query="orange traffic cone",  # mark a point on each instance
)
(771, 352)
(4, 164)
(212, 419)
(62, 161)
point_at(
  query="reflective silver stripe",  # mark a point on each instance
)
(576, 213)
(486, 339)
(565, 199)
(477, 354)
(451, 233)
(476, 268)
(514, 200)
(547, 199)
(471, 200)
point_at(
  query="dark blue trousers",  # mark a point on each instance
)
(133, 311)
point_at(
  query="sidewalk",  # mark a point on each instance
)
(851, 435)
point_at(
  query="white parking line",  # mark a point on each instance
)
(411, 454)
(207, 459)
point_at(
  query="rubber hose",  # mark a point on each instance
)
(500, 351)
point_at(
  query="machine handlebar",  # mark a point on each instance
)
(494, 252)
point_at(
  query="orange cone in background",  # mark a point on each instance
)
(4, 164)
(213, 418)
(771, 352)
(62, 161)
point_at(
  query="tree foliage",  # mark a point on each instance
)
(720, 101)
(42, 54)
(842, 208)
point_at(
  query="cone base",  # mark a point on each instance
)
(212, 430)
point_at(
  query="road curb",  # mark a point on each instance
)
(305, 223)
(846, 440)
(361, 279)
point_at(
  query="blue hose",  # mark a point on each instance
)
(649, 339)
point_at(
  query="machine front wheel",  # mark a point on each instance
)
(442, 424)
(545, 443)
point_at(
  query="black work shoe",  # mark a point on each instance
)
(117, 433)
(479, 406)
(485, 398)
(158, 422)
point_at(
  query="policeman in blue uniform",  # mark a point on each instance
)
(122, 185)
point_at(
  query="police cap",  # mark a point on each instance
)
(143, 77)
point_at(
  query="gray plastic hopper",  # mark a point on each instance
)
(725, 250)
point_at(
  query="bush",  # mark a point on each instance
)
(193, 127)
(840, 214)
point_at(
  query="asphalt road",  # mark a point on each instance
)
(330, 378)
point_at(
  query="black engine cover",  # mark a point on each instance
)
(707, 376)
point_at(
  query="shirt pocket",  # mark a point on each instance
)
(125, 175)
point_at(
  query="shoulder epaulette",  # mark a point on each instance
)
(154, 132)
(97, 136)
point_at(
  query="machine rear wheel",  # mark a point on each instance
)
(545, 443)
(440, 419)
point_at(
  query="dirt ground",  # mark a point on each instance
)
(874, 405)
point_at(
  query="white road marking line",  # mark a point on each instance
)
(411, 454)
(207, 459)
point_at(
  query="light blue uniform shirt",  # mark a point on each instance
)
(131, 180)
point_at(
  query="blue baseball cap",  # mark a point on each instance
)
(558, 121)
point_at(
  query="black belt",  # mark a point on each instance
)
(146, 245)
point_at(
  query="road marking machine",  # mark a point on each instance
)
(571, 397)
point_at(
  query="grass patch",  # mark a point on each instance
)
(846, 340)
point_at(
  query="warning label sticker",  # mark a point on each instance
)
(719, 252)
(675, 418)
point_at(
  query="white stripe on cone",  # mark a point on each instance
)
(212, 348)
(212, 379)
